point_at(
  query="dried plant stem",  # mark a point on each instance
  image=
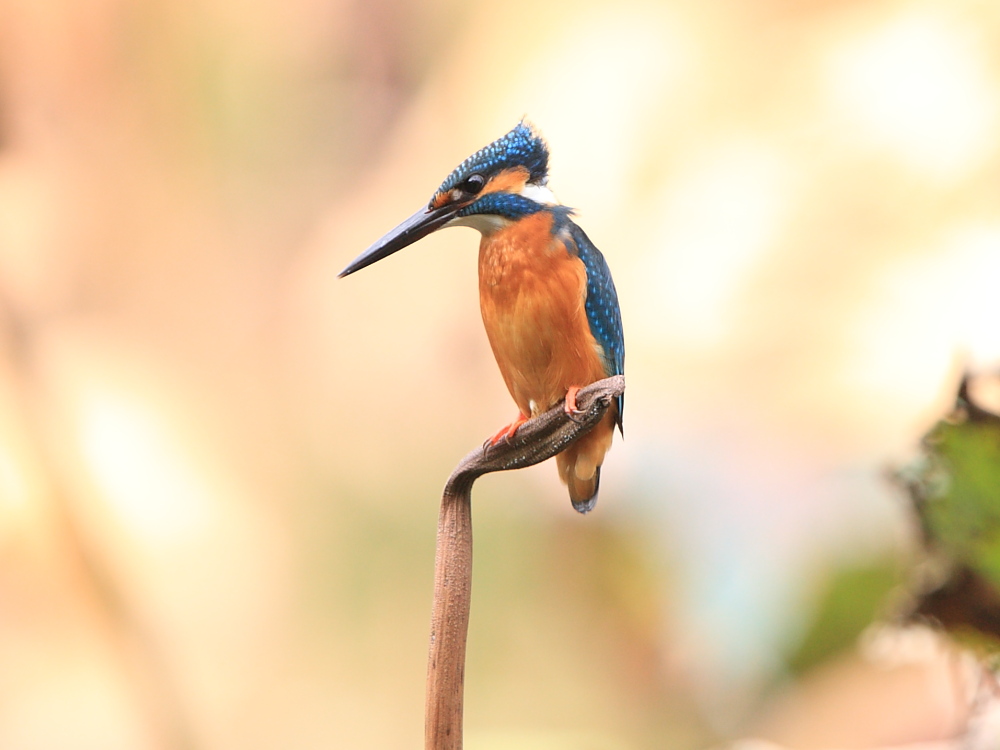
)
(535, 441)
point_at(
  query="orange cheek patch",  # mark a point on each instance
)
(508, 181)
(440, 199)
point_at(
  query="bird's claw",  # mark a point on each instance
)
(505, 433)
(570, 407)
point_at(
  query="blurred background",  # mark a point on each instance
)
(220, 467)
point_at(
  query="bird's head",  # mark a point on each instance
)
(498, 184)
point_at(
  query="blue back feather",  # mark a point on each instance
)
(603, 313)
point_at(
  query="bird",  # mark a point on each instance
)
(547, 298)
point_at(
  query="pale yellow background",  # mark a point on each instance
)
(220, 465)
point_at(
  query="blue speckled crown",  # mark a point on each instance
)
(521, 147)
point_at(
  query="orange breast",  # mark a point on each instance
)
(532, 293)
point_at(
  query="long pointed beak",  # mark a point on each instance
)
(421, 224)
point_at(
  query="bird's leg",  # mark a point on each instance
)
(506, 433)
(570, 405)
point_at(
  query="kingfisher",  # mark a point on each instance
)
(547, 298)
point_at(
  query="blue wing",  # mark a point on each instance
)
(602, 309)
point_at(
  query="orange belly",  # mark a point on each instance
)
(532, 293)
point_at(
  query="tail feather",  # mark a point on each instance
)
(582, 489)
(583, 493)
(580, 464)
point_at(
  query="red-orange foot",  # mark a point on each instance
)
(570, 406)
(506, 433)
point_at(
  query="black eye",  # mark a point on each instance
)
(472, 184)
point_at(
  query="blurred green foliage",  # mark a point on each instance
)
(955, 489)
(954, 486)
(852, 599)
(961, 494)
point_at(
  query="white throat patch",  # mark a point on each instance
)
(485, 223)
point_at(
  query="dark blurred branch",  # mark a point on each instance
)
(535, 441)
(965, 599)
(974, 411)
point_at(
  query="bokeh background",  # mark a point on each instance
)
(220, 466)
